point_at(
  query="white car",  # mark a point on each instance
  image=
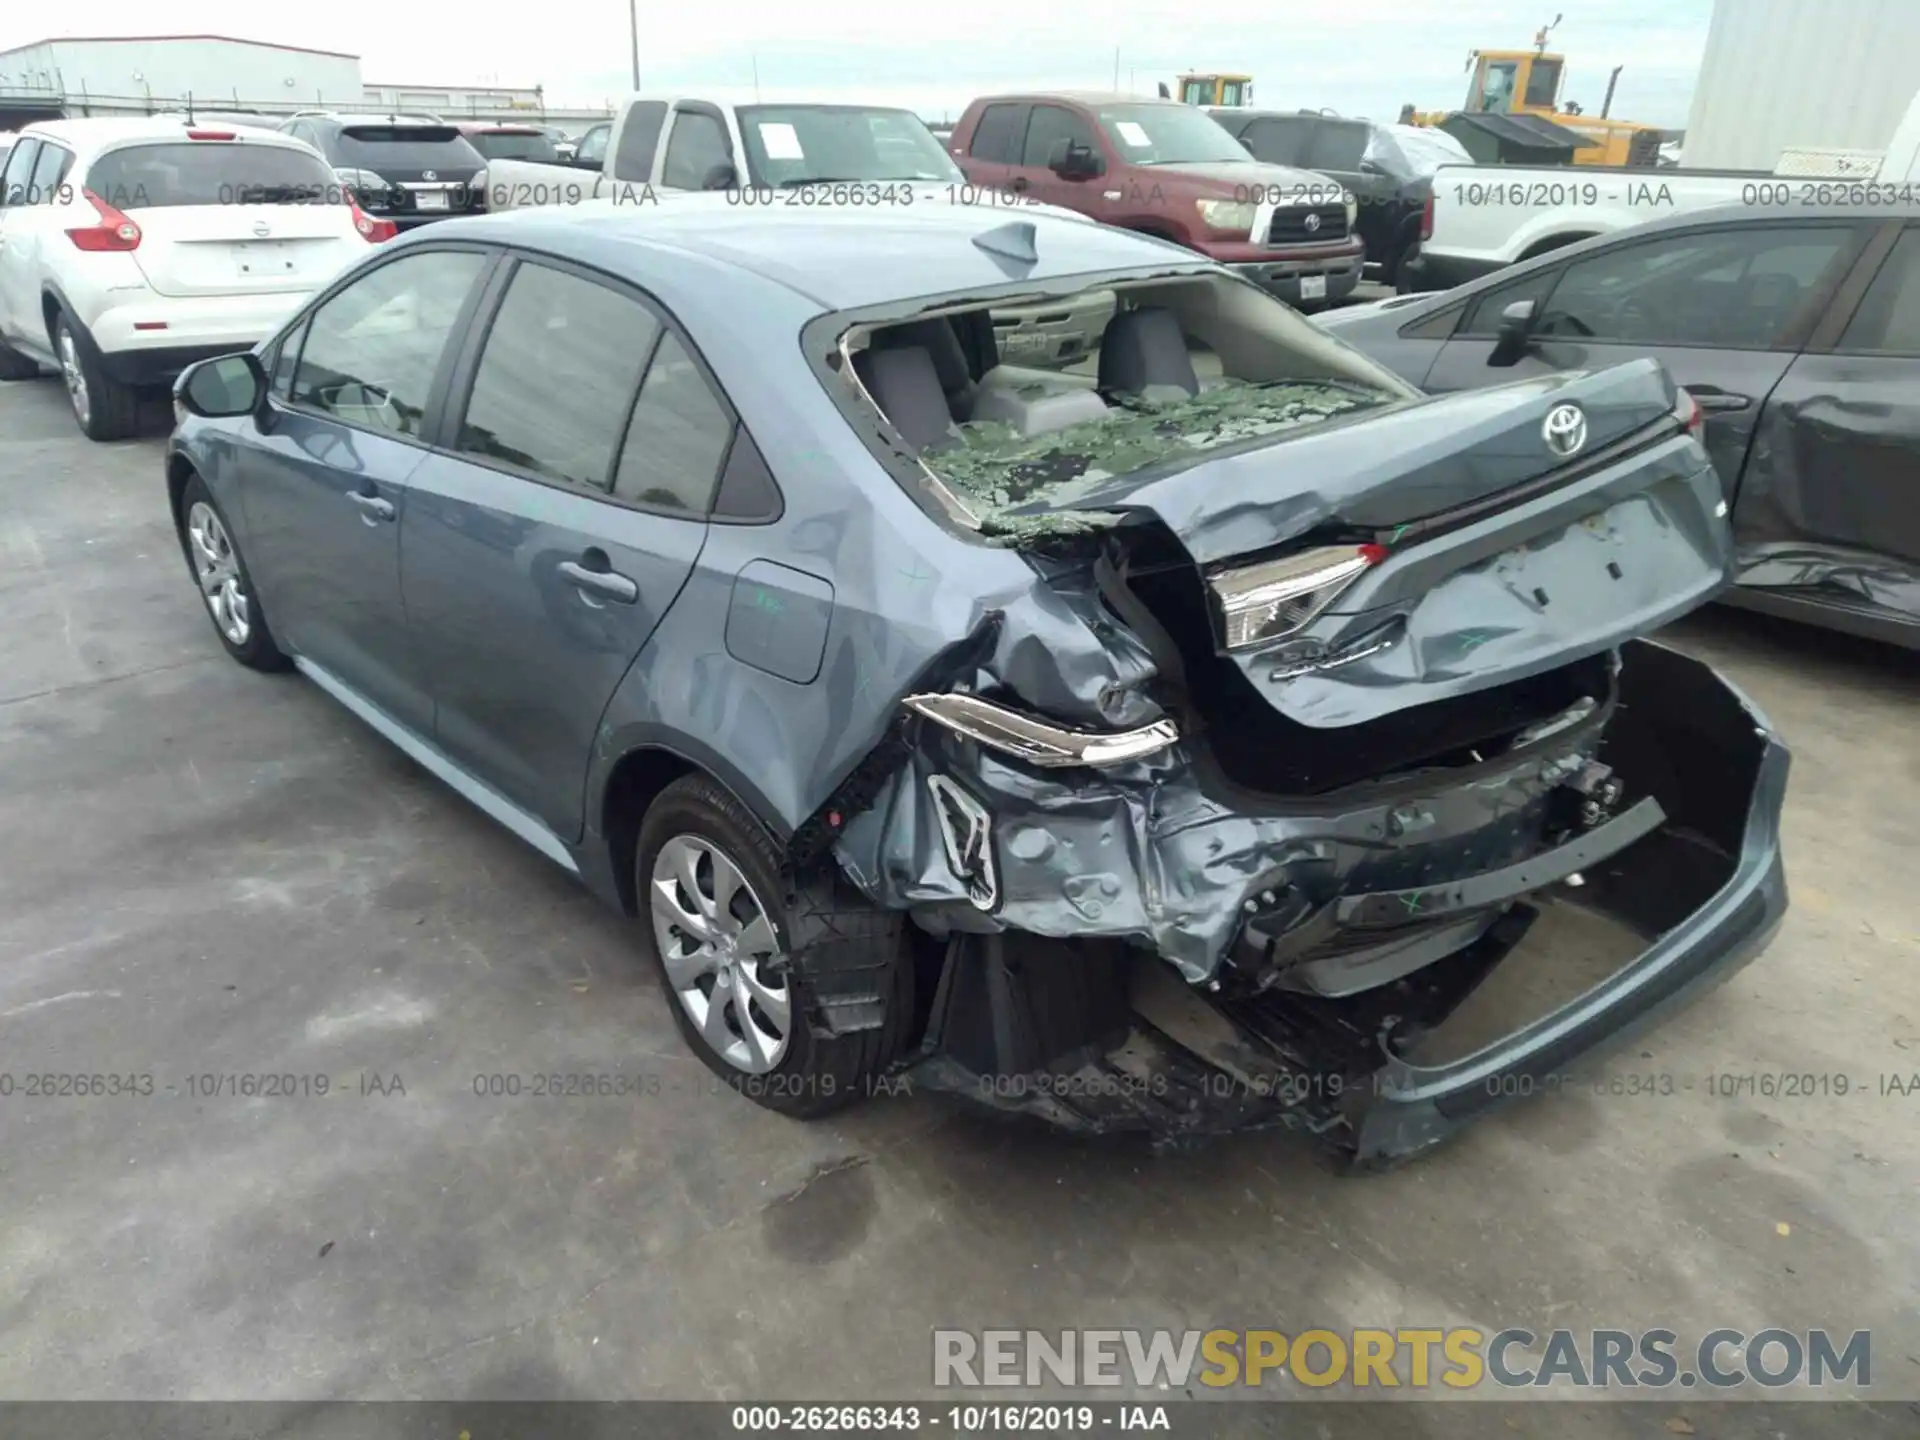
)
(131, 248)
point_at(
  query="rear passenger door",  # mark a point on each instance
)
(17, 285)
(1838, 458)
(556, 523)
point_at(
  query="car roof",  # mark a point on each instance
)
(1685, 220)
(844, 258)
(112, 130)
(1079, 97)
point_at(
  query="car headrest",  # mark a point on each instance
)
(1143, 348)
(906, 387)
(942, 344)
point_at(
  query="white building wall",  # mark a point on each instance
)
(119, 74)
(1785, 73)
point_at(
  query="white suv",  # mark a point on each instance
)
(131, 248)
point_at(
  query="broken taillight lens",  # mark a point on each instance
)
(1270, 601)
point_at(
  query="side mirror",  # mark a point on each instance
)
(224, 386)
(1514, 335)
(720, 177)
(1072, 160)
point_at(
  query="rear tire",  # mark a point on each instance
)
(225, 587)
(722, 927)
(105, 409)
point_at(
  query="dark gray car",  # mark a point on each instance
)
(1164, 742)
(1798, 333)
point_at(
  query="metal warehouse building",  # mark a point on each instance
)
(132, 74)
(1779, 74)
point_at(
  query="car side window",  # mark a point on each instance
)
(14, 179)
(996, 138)
(372, 350)
(48, 171)
(1279, 142)
(592, 148)
(1716, 289)
(638, 140)
(1888, 320)
(1483, 315)
(1050, 131)
(561, 364)
(678, 437)
(696, 143)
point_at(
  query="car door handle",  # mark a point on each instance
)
(600, 582)
(1019, 182)
(1709, 398)
(372, 507)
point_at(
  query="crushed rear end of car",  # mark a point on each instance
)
(1378, 702)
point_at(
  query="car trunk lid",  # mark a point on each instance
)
(1485, 554)
(210, 250)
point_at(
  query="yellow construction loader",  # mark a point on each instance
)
(1527, 82)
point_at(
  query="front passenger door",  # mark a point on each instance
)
(1724, 309)
(556, 526)
(324, 485)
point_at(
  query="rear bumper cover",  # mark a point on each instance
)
(1148, 856)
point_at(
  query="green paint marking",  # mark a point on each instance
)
(1474, 639)
(1397, 533)
(914, 572)
(1412, 902)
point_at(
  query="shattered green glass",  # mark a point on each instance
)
(996, 470)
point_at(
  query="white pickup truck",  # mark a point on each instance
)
(796, 156)
(1481, 218)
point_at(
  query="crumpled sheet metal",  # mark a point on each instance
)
(1143, 853)
(1880, 580)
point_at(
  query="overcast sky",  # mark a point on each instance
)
(1364, 57)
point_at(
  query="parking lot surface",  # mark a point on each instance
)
(208, 874)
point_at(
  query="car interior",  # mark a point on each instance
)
(1163, 341)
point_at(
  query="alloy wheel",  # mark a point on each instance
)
(217, 569)
(721, 954)
(75, 377)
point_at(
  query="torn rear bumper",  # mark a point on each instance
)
(1042, 1010)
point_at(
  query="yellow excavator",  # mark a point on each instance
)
(1527, 82)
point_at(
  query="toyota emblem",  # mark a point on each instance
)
(1565, 430)
(262, 229)
(429, 174)
(1312, 223)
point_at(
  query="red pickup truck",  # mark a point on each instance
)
(1169, 170)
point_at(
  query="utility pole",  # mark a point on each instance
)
(633, 30)
(1116, 67)
(754, 59)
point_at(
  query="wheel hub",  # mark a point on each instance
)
(721, 954)
(217, 569)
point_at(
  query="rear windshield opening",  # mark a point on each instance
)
(1030, 405)
(210, 172)
(406, 145)
(514, 145)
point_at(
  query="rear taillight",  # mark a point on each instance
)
(1267, 602)
(113, 231)
(1691, 417)
(1426, 218)
(211, 135)
(373, 231)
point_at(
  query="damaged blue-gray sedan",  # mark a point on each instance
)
(1165, 737)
